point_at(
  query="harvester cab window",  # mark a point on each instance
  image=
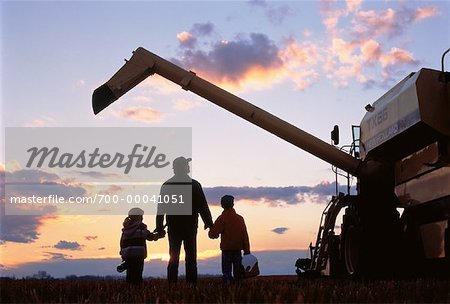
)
(355, 144)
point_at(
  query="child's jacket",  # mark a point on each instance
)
(231, 227)
(133, 240)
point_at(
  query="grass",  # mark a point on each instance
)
(257, 290)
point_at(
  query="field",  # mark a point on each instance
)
(257, 290)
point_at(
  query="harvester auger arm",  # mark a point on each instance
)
(144, 63)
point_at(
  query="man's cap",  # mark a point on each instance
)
(227, 201)
(135, 211)
(180, 162)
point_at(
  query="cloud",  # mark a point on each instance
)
(278, 13)
(426, 12)
(56, 256)
(141, 98)
(280, 230)
(275, 13)
(67, 245)
(90, 237)
(229, 61)
(30, 176)
(26, 183)
(358, 47)
(96, 174)
(332, 13)
(352, 5)
(258, 3)
(397, 56)
(43, 121)
(139, 113)
(275, 196)
(112, 189)
(255, 61)
(300, 61)
(186, 40)
(360, 41)
(20, 223)
(343, 50)
(19, 228)
(185, 105)
(189, 39)
(354, 50)
(390, 22)
(354, 59)
(203, 29)
(307, 33)
(370, 51)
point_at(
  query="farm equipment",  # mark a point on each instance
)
(401, 159)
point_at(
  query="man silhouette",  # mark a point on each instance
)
(183, 228)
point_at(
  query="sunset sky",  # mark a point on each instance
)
(312, 63)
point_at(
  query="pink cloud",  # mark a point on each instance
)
(426, 12)
(370, 51)
(305, 53)
(255, 62)
(388, 22)
(185, 105)
(307, 33)
(332, 13)
(376, 23)
(186, 40)
(112, 189)
(228, 61)
(344, 50)
(357, 52)
(354, 60)
(43, 121)
(397, 56)
(343, 73)
(353, 5)
(137, 113)
(300, 61)
(360, 52)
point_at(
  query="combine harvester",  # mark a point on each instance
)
(400, 155)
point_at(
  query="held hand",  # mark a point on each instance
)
(210, 236)
(161, 234)
(152, 236)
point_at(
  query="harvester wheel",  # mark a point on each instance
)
(351, 244)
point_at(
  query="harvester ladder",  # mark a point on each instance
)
(320, 252)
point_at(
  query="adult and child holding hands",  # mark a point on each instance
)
(182, 229)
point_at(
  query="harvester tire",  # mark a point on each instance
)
(351, 244)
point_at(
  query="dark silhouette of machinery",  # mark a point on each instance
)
(400, 155)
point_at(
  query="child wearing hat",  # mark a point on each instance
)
(133, 247)
(234, 238)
